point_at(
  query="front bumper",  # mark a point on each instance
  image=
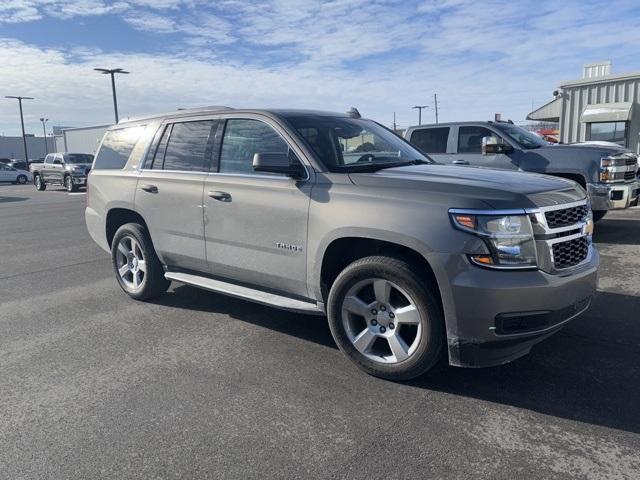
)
(79, 179)
(500, 315)
(606, 196)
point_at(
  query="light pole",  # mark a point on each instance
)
(44, 134)
(419, 108)
(112, 72)
(24, 138)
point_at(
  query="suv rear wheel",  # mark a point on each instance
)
(384, 319)
(136, 264)
(39, 183)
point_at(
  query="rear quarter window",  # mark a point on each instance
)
(117, 147)
(431, 140)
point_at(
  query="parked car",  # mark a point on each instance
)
(609, 174)
(408, 259)
(18, 164)
(14, 175)
(68, 169)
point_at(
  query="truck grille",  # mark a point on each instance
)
(565, 216)
(630, 175)
(570, 253)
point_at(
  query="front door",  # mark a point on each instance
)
(469, 149)
(5, 174)
(256, 223)
(169, 192)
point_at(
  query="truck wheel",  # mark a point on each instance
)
(599, 215)
(384, 319)
(137, 267)
(68, 184)
(21, 180)
(40, 185)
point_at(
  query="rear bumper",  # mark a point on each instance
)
(500, 315)
(613, 196)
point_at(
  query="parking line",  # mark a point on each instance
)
(77, 193)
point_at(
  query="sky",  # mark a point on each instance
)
(381, 56)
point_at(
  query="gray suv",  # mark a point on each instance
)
(335, 215)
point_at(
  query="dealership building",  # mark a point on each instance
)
(598, 107)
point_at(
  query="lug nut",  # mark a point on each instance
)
(383, 308)
(374, 322)
(374, 311)
(391, 326)
(392, 315)
(382, 329)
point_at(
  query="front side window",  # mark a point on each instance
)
(116, 148)
(188, 146)
(431, 140)
(470, 138)
(75, 158)
(242, 139)
(615, 132)
(350, 144)
(48, 159)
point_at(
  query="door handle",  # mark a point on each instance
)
(460, 162)
(222, 196)
(149, 188)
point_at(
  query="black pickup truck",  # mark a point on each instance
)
(68, 169)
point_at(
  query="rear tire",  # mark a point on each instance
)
(135, 263)
(39, 183)
(599, 215)
(21, 180)
(386, 318)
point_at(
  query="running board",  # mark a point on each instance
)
(245, 293)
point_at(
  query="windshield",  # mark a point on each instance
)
(349, 144)
(78, 158)
(525, 138)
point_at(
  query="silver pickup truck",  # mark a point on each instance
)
(332, 214)
(67, 169)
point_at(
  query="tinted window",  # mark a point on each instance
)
(431, 140)
(158, 159)
(189, 146)
(608, 132)
(78, 158)
(116, 148)
(242, 140)
(470, 139)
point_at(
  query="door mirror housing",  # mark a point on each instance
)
(491, 146)
(281, 163)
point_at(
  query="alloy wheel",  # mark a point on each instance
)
(130, 263)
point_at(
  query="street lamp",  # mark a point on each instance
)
(44, 134)
(419, 108)
(24, 138)
(112, 72)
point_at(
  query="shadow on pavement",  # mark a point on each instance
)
(588, 372)
(615, 231)
(12, 199)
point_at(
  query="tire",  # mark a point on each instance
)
(599, 215)
(39, 183)
(135, 263)
(68, 184)
(364, 318)
(21, 180)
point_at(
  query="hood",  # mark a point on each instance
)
(500, 189)
(591, 149)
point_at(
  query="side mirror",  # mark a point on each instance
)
(278, 163)
(490, 146)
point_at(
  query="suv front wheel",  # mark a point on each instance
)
(385, 319)
(137, 267)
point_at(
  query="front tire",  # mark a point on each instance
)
(385, 319)
(136, 265)
(40, 185)
(599, 215)
(69, 185)
(21, 180)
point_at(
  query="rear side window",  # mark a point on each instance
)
(186, 146)
(431, 140)
(116, 148)
(470, 139)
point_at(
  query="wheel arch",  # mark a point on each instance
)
(118, 216)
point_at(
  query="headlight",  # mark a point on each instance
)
(508, 237)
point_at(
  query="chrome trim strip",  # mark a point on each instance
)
(551, 208)
(471, 211)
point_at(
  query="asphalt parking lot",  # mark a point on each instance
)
(198, 385)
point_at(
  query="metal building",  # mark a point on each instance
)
(13, 147)
(81, 140)
(598, 107)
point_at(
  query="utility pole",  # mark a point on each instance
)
(435, 102)
(44, 134)
(112, 72)
(24, 138)
(419, 108)
(394, 121)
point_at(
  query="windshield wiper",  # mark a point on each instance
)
(374, 167)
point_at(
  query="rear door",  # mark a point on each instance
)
(434, 141)
(468, 148)
(255, 222)
(170, 188)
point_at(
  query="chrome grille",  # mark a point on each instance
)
(566, 216)
(630, 175)
(570, 253)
